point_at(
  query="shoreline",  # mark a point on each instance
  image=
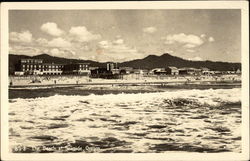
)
(132, 83)
(104, 89)
(128, 80)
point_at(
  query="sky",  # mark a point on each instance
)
(123, 35)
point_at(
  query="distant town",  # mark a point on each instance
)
(43, 70)
(112, 70)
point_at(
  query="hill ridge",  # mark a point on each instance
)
(149, 62)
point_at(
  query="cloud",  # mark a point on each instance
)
(22, 37)
(42, 41)
(24, 50)
(85, 48)
(104, 44)
(118, 36)
(196, 58)
(81, 34)
(122, 49)
(118, 42)
(167, 51)
(46, 51)
(61, 52)
(54, 52)
(203, 35)
(117, 46)
(149, 30)
(190, 50)
(51, 29)
(189, 46)
(188, 41)
(116, 50)
(59, 42)
(211, 39)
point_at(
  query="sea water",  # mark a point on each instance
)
(171, 121)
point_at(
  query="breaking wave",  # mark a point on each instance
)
(183, 120)
(186, 97)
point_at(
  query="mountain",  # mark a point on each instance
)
(153, 61)
(149, 62)
(51, 59)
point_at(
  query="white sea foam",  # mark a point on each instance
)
(209, 97)
(149, 117)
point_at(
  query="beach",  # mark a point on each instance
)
(15, 81)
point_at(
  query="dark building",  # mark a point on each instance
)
(189, 71)
(172, 70)
(30, 66)
(126, 70)
(76, 69)
(158, 71)
(103, 73)
(38, 67)
(112, 66)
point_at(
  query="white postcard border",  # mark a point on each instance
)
(243, 5)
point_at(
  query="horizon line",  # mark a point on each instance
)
(125, 61)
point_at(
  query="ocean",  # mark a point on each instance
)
(179, 120)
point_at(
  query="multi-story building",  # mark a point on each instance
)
(111, 66)
(172, 70)
(37, 67)
(76, 68)
(52, 69)
(126, 70)
(30, 66)
(93, 68)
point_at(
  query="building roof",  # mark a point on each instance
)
(158, 69)
(171, 67)
(126, 67)
(189, 68)
(52, 64)
(82, 63)
(204, 68)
